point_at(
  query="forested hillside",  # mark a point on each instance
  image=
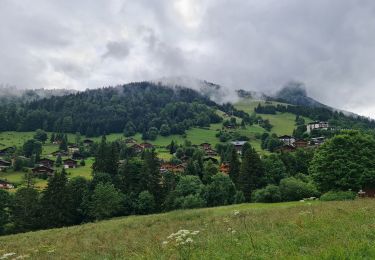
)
(136, 107)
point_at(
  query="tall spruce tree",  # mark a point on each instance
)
(100, 158)
(56, 202)
(151, 169)
(234, 166)
(251, 173)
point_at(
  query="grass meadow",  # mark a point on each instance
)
(295, 230)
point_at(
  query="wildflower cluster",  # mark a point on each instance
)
(181, 237)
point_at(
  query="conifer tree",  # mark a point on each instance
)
(234, 166)
(251, 173)
(56, 202)
(100, 158)
(151, 169)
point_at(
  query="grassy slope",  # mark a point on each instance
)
(284, 123)
(335, 230)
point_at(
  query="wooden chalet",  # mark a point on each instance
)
(73, 148)
(47, 162)
(146, 146)
(238, 145)
(301, 143)
(367, 193)
(137, 148)
(4, 165)
(77, 156)
(88, 142)
(61, 153)
(286, 149)
(224, 168)
(6, 185)
(287, 139)
(205, 146)
(317, 141)
(168, 167)
(43, 171)
(210, 152)
(70, 163)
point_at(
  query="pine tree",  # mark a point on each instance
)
(234, 166)
(100, 158)
(251, 173)
(56, 202)
(151, 169)
(111, 159)
(53, 137)
(64, 143)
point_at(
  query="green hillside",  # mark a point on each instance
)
(283, 123)
(336, 230)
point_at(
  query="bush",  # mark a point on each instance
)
(293, 189)
(271, 193)
(338, 195)
(192, 201)
(146, 203)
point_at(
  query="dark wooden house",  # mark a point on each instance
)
(70, 163)
(6, 185)
(43, 171)
(4, 165)
(88, 142)
(47, 162)
(300, 143)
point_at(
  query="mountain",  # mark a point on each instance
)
(295, 93)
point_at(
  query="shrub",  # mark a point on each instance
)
(146, 203)
(271, 193)
(192, 201)
(293, 189)
(338, 195)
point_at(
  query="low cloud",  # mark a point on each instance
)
(254, 45)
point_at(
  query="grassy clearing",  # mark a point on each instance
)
(283, 123)
(330, 230)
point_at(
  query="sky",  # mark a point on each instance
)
(250, 44)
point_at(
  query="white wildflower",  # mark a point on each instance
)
(22, 256)
(165, 242)
(229, 229)
(302, 201)
(236, 212)
(6, 255)
(196, 232)
(189, 240)
(234, 231)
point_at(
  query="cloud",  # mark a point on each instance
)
(257, 45)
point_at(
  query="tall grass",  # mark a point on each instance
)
(329, 230)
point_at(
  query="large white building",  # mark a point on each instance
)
(317, 125)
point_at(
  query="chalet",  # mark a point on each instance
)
(168, 167)
(4, 165)
(73, 148)
(146, 146)
(42, 170)
(367, 193)
(317, 125)
(205, 146)
(224, 168)
(77, 156)
(286, 148)
(61, 153)
(317, 141)
(137, 148)
(212, 159)
(47, 162)
(238, 145)
(287, 139)
(300, 143)
(7, 150)
(210, 152)
(88, 142)
(70, 163)
(130, 141)
(6, 185)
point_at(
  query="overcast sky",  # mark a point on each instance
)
(251, 44)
